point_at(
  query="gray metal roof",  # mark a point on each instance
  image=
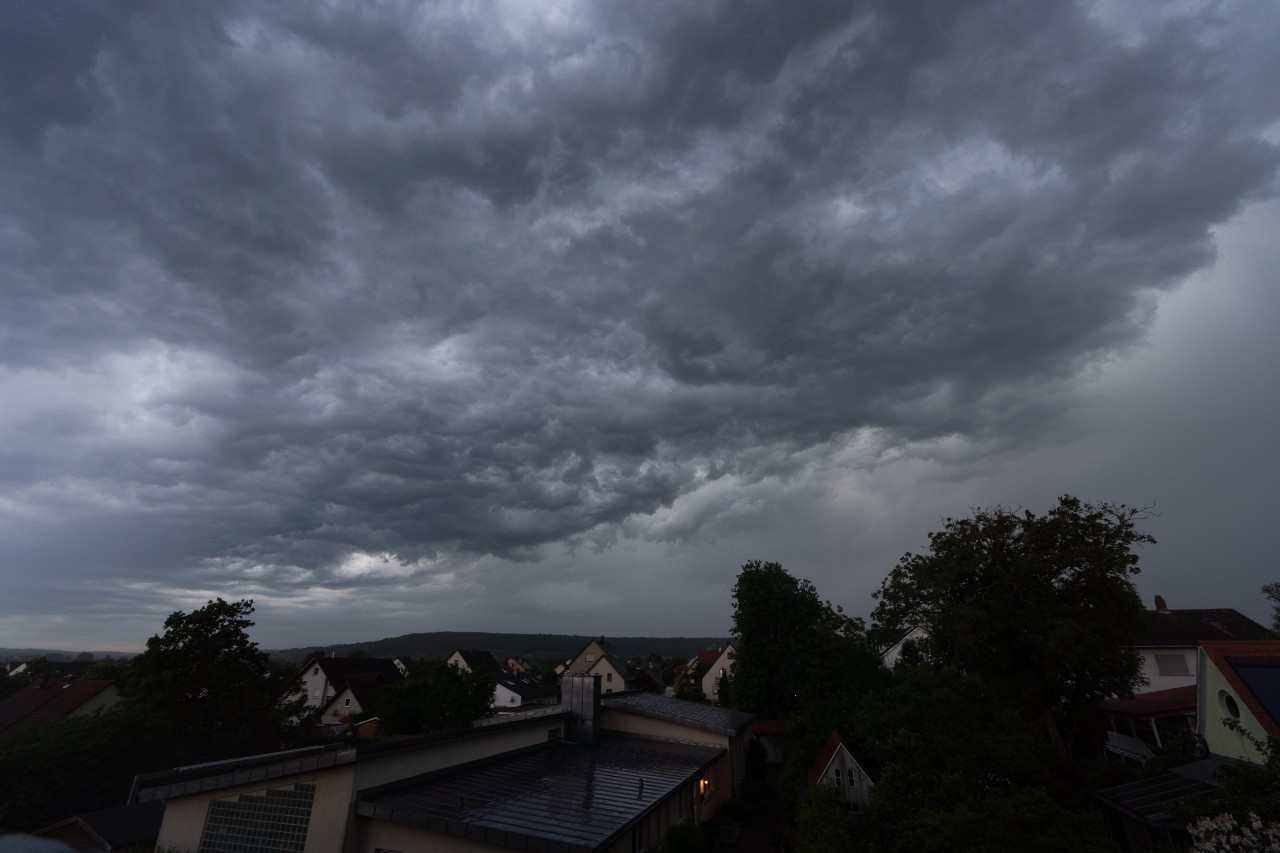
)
(559, 797)
(1153, 801)
(706, 717)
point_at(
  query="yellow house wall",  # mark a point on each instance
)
(1220, 739)
(184, 817)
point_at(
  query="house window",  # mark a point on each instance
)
(608, 690)
(1172, 665)
(590, 658)
(1229, 704)
(608, 676)
(839, 781)
(346, 703)
(553, 734)
(315, 671)
(704, 788)
(271, 819)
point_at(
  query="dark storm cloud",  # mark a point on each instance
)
(290, 283)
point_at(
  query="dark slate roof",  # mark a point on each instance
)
(341, 671)
(560, 796)
(1189, 627)
(213, 775)
(120, 826)
(479, 661)
(706, 717)
(46, 701)
(526, 687)
(1153, 801)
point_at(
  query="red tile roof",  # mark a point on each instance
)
(1225, 655)
(824, 758)
(49, 700)
(1155, 703)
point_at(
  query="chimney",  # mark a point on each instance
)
(582, 694)
(1161, 607)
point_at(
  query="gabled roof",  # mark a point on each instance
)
(526, 687)
(479, 660)
(834, 746)
(1253, 671)
(46, 701)
(560, 796)
(711, 718)
(342, 671)
(1186, 628)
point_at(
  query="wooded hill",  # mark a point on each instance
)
(440, 644)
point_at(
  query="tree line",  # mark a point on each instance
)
(985, 734)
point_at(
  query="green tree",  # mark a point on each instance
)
(1042, 607)
(203, 675)
(821, 823)
(1272, 592)
(783, 629)
(435, 697)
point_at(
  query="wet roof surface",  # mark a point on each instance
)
(563, 796)
(707, 717)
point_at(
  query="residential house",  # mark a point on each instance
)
(1237, 706)
(718, 669)
(1141, 726)
(353, 702)
(1168, 640)
(515, 663)
(474, 660)
(51, 700)
(1238, 697)
(513, 690)
(321, 678)
(592, 774)
(911, 636)
(835, 766)
(598, 659)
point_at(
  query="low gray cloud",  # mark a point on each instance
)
(298, 285)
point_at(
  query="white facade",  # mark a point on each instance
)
(1167, 667)
(711, 680)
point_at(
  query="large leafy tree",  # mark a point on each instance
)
(203, 674)
(785, 633)
(1041, 607)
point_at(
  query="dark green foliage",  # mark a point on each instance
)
(951, 756)
(1000, 819)
(435, 697)
(1041, 607)
(786, 633)
(822, 825)
(79, 764)
(684, 838)
(757, 760)
(204, 675)
(1272, 592)
(1247, 789)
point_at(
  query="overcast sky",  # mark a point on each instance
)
(546, 316)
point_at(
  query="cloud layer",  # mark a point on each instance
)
(320, 297)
